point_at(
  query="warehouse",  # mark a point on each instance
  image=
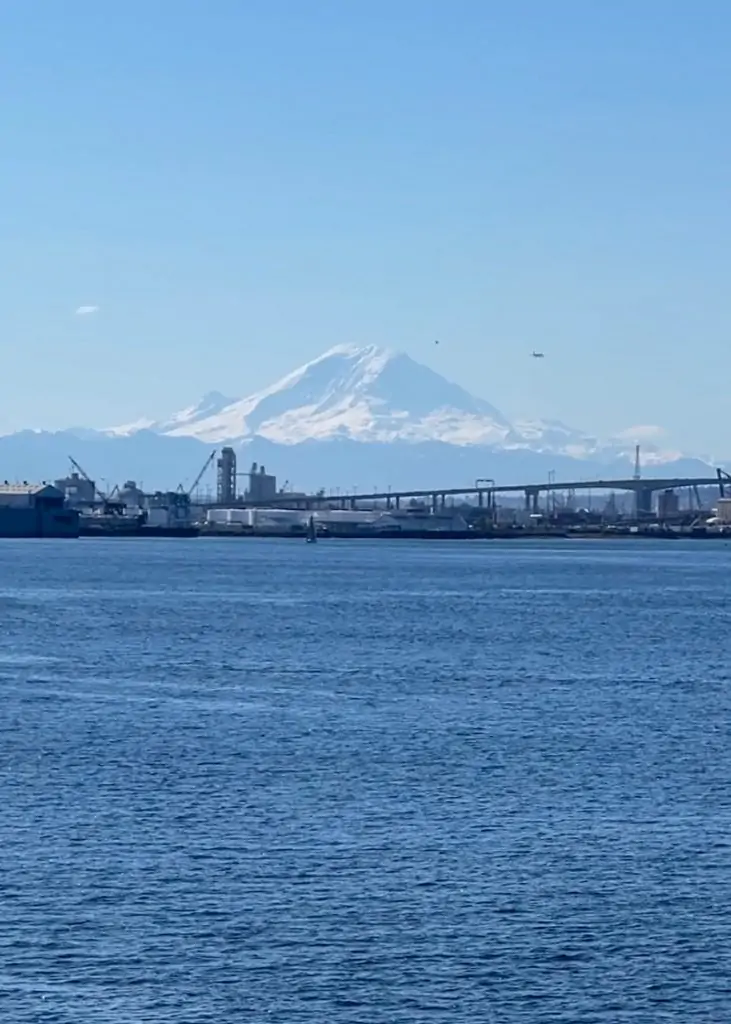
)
(35, 510)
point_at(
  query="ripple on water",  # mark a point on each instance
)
(384, 784)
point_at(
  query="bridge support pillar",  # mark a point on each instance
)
(398, 502)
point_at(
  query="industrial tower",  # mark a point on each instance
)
(643, 495)
(226, 477)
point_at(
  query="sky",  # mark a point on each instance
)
(203, 196)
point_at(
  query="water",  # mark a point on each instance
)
(378, 783)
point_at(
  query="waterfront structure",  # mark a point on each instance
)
(437, 498)
(77, 490)
(226, 477)
(262, 485)
(334, 521)
(36, 510)
(723, 512)
(131, 495)
(668, 505)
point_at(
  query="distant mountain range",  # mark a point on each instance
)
(353, 417)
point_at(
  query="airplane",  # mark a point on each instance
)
(537, 355)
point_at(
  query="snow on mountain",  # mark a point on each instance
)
(554, 436)
(211, 404)
(385, 420)
(128, 429)
(364, 394)
(373, 395)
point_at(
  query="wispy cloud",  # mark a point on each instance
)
(86, 310)
(644, 432)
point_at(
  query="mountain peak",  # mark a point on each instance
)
(366, 393)
(363, 392)
(360, 352)
(360, 362)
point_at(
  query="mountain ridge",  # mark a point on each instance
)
(373, 395)
(354, 416)
(365, 393)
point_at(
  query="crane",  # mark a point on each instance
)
(82, 472)
(198, 479)
(109, 504)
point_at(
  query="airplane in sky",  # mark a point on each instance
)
(537, 355)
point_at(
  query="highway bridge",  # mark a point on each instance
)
(486, 490)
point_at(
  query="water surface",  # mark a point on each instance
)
(385, 783)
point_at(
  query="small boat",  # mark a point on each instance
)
(311, 537)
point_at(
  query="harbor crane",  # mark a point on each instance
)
(106, 499)
(194, 485)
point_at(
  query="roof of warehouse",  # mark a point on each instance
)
(6, 488)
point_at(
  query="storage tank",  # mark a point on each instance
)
(353, 517)
(277, 519)
(217, 516)
(131, 495)
(238, 516)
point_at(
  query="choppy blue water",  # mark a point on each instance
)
(378, 783)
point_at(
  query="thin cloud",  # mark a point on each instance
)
(86, 310)
(642, 432)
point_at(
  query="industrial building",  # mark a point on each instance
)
(226, 477)
(161, 509)
(262, 485)
(77, 490)
(35, 510)
(723, 511)
(668, 505)
(128, 510)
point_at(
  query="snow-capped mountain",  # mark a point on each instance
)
(210, 405)
(352, 416)
(362, 394)
(372, 395)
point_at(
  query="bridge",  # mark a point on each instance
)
(487, 489)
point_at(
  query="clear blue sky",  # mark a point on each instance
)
(242, 184)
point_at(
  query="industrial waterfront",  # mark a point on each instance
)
(640, 506)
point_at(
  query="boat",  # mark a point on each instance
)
(311, 537)
(132, 526)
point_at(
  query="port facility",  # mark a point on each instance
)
(76, 505)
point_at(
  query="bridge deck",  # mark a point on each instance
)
(627, 484)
